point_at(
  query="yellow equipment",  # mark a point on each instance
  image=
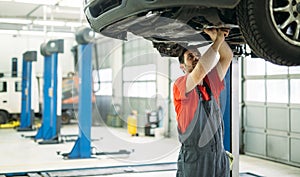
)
(11, 124)
(132, 124)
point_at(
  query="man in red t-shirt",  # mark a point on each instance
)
(196, 101)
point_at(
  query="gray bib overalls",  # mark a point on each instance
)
(202, 152)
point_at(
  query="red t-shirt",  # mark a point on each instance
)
(186, 104)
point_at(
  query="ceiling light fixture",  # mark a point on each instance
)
(71, 3)
(64, 3)
(42, 2)
(43, 22)
(60, 34)
(49, 23)
(13, 32)
(76, 24)
(15, 21)
(32, 33)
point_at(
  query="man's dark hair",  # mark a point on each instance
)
(181, 56)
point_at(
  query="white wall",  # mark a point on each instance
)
(15, 45)
(117, 75)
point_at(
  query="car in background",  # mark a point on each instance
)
(270, 27)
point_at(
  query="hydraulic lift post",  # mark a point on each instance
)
(50, 128)
(82, 147)
(26, 109)
(230, 108)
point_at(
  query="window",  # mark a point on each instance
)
(140, 81)
(277, 91)
(273, 69)
(18, 86)
(104, 76)
(295, 94)
(255, 90)
(140, 89)
(294, 70)
(254, 67)
(3, 87)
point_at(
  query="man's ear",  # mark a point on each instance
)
(182, 67)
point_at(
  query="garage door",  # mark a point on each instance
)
(271, 111)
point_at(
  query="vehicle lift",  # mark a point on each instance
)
(82, 147)
(27, 116)
(50, 128)
(230, 108)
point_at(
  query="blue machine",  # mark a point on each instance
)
(50, 128)
(227, 111)
(82, 147)
(230, 108)
(26, 110)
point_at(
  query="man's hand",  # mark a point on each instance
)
(217, 34)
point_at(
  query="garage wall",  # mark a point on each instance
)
(135, 61)
(271, 111)
(15, 45)
(143, 65)
(109, 57)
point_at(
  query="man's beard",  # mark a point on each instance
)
(190, 68)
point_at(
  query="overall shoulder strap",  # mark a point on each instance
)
(208, 90)
(199, 92)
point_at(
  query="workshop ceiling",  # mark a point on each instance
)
(42, 15)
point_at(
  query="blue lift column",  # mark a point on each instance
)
(50, 128)
(230, 108)
(82, 147)
(26, 110)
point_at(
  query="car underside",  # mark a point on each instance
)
(267, 26)
(174, 28)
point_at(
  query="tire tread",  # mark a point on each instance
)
(254, 37)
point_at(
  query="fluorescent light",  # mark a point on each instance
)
(49, 23)
(32, 33)
(60, 34)
(65, 10)
(64, 3)
(43, 2)
(71, 3)
(24, 27)
(22, 32)
(13, 32)
(38, 33)
(76, 24)
(15, 21)
(73, 24)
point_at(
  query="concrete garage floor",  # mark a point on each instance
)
(19, 154)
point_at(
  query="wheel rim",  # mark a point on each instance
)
(285, 16)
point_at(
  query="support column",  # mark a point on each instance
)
(82, 147)
(231, 114)
(50, 128)
(26, 109)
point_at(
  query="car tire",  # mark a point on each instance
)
(3, 117)
(256, 19)
(65, 118)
